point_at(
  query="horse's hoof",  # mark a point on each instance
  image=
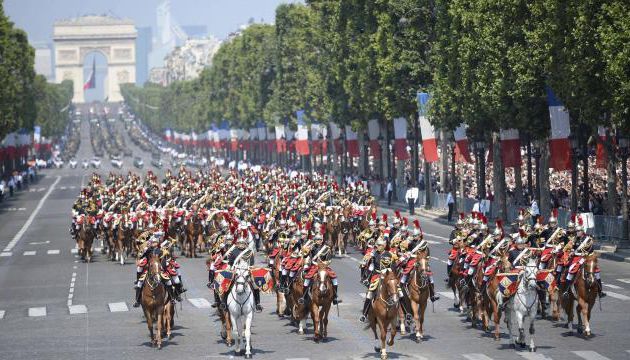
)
(377, 349)
(532, 349)
(587, 334)
(248, 356)
(384, 357)
(300, 332)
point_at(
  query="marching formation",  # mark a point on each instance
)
(521, 273)
(299, 223)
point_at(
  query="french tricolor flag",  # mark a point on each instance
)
(429, 138)
(335, 132)
(462, 153)
(193, 137)
(400, 141)
(224, 133)
(559, 145)
(601, 160)
(301, 135)
(374, 130)
(168, 135)
(510, 147)
(352, 142)
(319, 145)
(234, 136)
(281, 139)
(271, 139)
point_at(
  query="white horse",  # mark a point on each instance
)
(523, 305)
(240, 304)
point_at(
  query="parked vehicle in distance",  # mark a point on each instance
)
(85, 164)
(57, 163)
(96, 162)
(138, 162)
(73, 163)
(117, 163)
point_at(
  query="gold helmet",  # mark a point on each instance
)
(386, 260)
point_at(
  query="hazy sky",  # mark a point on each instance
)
(220, 16)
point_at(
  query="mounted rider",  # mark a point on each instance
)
(408, 260)
(583, 248)
(382, 261)
(242, 252)
(142, 268)
(320, 254)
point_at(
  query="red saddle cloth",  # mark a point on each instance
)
(313, 270)
(546, 255)
(452, 255)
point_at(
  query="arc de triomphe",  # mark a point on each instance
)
(114, 38)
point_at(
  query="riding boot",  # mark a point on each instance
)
(210, 279)
(217, 300)
(259, 308)
(283, 281)
(138, 297)
(432, 294)
(335, 292)
(366, 309)
(567, 290)
(172, 293)
(599, 289)
(181, 289)
(448, 272)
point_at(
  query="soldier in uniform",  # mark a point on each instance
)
(584, 247)
(380, 262)
(143, 261)
(242, 252)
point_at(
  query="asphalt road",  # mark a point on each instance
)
(54, 307)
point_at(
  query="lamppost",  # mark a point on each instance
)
(366, 160)
(575, 154)
(624, 145)
(342, 138)
(411, 140)
(537, 155)
(381, 147)
(479, 147)
(320, 137)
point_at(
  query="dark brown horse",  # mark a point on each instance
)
(154, 299)
(85, 238)
(321, 300)
(384, 312)
(299, 312)
(492, 308)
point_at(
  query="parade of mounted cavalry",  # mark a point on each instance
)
(313, 179)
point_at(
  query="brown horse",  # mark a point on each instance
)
(192, 232)
(492, 308)
(226, 325)
(586, 291)
(85, 238)
(281, 301)
(419, 291)
(299, 312)
(384, 312)
(168, 319)
(454, 283)
(154, 299)
(321, 300)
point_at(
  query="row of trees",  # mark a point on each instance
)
(487, 64)
(26, 99)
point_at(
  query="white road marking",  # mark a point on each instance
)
(2, 312)
(37, 311)
(118, 307)
(21, 209)
(39, 242)
(627, 281)
(590, 355)
(98, 249)
(43, 188)
(74, 251)
(77, 309)
(30, 219)
(297, 359)
(612, 286)
(533, 356)
(437, 236)
(200, 303)
(476, 357)
(62, 188)
(351, 258)
(30, 253)
(618, 296)
(434, 258)
(5, 253)
(433, 242)
(53, 252)
(447, 294)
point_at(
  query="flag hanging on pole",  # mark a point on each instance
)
(301, 135)
(559, 145)
(373, 132)
(510, 147)
(281, 139)
(352, 142)
(91, 82)
(429, 138)
(335, 132)
(462, 153)
(601, 160)
(400, 141)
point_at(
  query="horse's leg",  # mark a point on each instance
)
(393, 330)
(147, 316)
(316, 322)
(415, 309)
(248, 335)
(587, 317)
(377, 343)
(236, 325)
(496, 317)
(324, 320)
(401, 315)
(383, 329)
(578, 312)
(521, 329)
(302, 325)
(160, 315)
(228, 328)
(423, 308)
(568, 308)
(508, 323)
(532, 331)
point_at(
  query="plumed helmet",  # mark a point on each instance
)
(554, 216)
(386, 260)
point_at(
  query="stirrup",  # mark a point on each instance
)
(258, 308)
(363, 319)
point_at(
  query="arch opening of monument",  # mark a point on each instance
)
(78, 41)
(95, 79)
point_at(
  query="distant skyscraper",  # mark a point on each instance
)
(143, 48)
(44, 61)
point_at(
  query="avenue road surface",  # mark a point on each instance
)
(53, 306)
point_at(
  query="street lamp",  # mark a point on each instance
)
(479, 147)
(624, 145)
(366, 160)
(342, 138)
(320, 137)
(575, 154)
(537, 154)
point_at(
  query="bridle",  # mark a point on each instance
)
(392, 299)
(241, 276)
